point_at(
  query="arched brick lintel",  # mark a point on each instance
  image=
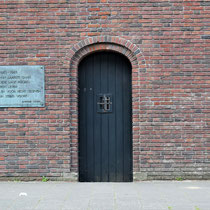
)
(112, 43)
(75, 55)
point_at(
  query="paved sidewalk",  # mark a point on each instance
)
(157, 195)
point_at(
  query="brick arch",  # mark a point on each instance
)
(73, 58)
(121, 45)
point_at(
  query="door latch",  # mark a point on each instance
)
(104, 103)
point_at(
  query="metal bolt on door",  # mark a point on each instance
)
(105, 139)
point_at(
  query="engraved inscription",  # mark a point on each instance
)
(21, 86)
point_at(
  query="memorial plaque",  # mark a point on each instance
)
(22, 86)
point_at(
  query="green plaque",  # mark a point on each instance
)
(22, 86)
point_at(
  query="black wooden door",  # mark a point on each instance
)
(105, 139)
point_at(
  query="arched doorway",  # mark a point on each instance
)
(105, 118)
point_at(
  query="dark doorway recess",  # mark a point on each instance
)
(105, 118)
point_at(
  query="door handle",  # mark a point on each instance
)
(104, 103)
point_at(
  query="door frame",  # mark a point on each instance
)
(76, 54)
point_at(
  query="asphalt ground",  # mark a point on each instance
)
(154, 195)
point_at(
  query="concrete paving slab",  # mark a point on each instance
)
(155, 195)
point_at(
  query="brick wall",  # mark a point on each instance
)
(171, 127)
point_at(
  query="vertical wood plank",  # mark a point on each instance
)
(112, 119)
(104, 122)
(119, 120)
(89, 119)
(82, 123)
(127, 127)
(97, 117)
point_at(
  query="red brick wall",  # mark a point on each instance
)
(168, 42)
